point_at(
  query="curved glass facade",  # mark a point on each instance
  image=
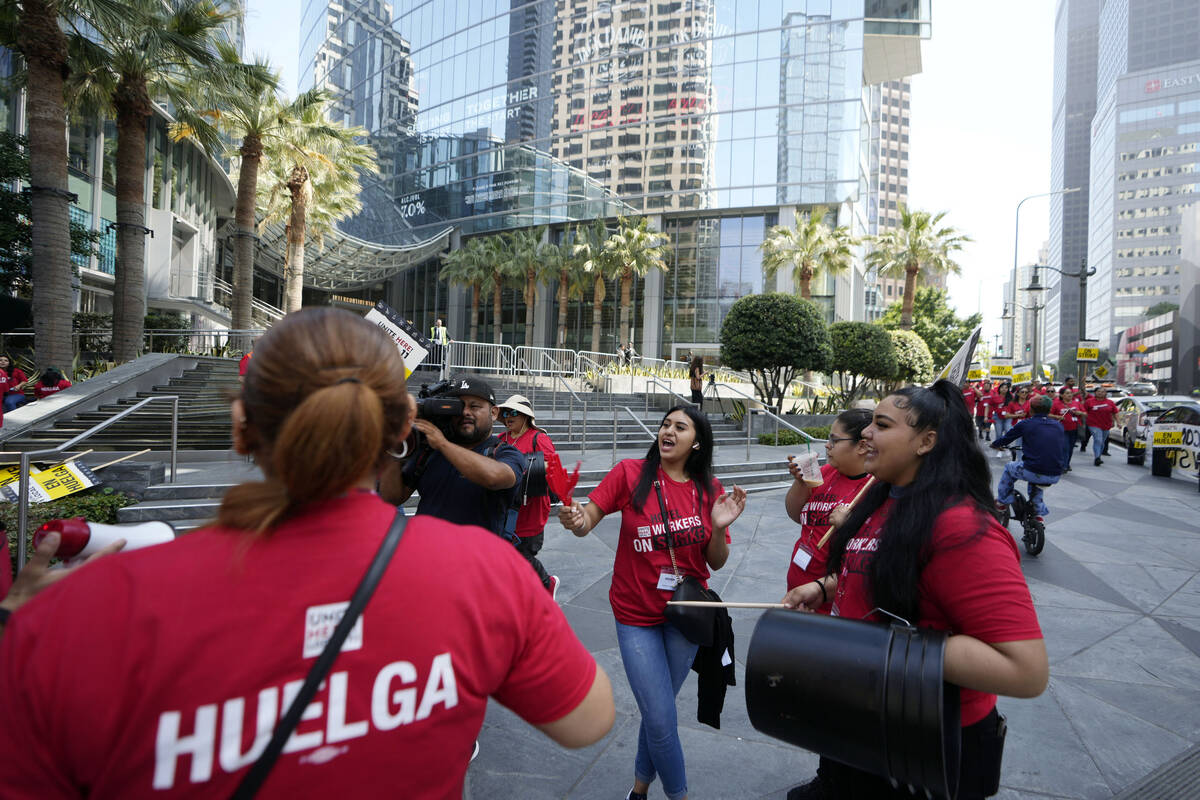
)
(496, 114)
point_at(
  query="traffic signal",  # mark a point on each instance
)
(1027, 347)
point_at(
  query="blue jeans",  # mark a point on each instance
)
(13, 401)
(1002, 425)
(657, 660)
(1099, 439)
(1068, 446)
(1015, 471)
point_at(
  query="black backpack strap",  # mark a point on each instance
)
(253, 780)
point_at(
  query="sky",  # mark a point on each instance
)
(980, 137)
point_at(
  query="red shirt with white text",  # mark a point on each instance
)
(41, 390)
(1100, 413)
(642, 554)
(836, 489)
(972, 584)
(162, 671)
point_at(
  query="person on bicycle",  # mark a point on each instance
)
(1041, 462)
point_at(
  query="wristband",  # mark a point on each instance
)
(824, 596)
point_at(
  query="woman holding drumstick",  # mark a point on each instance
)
(811, 506)
(656, 655)
(923, 545)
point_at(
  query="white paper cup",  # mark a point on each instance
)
(810, 469)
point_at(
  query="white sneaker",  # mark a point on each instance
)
(554, 584)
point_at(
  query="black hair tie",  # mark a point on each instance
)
(347, 379)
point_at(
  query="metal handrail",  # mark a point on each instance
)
(769, 413)
(27, 458)
(657, 382)
(571, 412)
(641, 425)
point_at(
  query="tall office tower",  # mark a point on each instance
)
(887, 186)
(1144, 166)
(717, 119)
(1076, 38)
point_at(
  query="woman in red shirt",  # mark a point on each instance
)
(656, 655)
(810, 506)
(923, 544)
(12, 384)
(523, 434)
(50, 382)
(218, 629)
(1069, 411)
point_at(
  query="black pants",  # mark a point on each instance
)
(697, 396)
(529, 547)
(980, 764)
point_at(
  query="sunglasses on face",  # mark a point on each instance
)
(508, 413)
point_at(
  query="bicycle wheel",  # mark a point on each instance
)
(1035, 536)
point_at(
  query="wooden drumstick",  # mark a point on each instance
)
(828, 533)
(714, 604)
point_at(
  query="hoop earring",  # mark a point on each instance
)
(695, 446)
(401, 455)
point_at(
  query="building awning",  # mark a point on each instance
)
(341, 262)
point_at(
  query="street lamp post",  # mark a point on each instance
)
(1017, 240)
(1036, 309)
(1084, 273)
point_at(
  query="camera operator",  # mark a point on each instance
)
(463, 473)
(523, 434)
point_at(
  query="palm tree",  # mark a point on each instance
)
(634, 250)
(314, 166)
(467, 267)
(595, 261)
(558, 264)
(125, 69)
(917, 246)
(34, 29)
(497, 255)
(525, 252)
(255, 115)
(809, 248)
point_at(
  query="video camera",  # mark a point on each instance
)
(434, 405)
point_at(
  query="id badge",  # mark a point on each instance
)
(802, 557)
(667, 581)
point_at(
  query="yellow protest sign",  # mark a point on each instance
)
(976, 372)
(1168, 438)
(1087, 350)
(1022, 374)
(51, 484)
(1001, 369)
(1100, 372)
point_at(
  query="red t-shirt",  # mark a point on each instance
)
(531, 519)
(244, 364)
(972, 584)
(41, 390)
(1018, 410)
(9, 383)
(1069, 421)
(642, 554)
(1100, 413)
(149, 673)
(808, 560)
(969, 399)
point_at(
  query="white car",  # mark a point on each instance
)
(1175, 440)
(1133, 418)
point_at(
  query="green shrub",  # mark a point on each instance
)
(95, 505)
(789, 438)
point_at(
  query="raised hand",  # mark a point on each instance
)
(728, 507)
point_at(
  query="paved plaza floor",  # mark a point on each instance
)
(1118, 597)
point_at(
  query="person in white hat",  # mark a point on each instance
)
(518, 417)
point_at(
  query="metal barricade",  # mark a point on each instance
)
(495, 359)
(548, 361)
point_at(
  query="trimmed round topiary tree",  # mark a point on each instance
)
(774, 336)
(914, 362)
(862, 352)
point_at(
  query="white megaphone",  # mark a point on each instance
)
(81, 538)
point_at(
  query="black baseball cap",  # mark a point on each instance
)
(464, 385)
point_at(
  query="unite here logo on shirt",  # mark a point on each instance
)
(395, 701)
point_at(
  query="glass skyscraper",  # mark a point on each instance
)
(715, 118)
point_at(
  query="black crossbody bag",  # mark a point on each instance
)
(695, 623)
(253, 780)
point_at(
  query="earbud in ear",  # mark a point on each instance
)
(696, 446)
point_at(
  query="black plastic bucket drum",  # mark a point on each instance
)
(870, 696)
